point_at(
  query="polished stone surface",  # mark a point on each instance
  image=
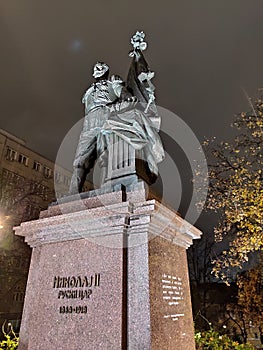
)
(170, 300)
(137, 247)
(97, 327)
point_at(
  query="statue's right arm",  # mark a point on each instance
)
(87, 94)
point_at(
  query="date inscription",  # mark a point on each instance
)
(73, 309)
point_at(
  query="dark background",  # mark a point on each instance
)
(207, 56)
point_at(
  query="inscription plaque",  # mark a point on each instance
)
(173, 295)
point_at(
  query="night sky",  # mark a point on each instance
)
(205, 55)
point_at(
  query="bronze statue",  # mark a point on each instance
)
(121, 123)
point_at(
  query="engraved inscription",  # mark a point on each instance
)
(74, 294)
(75, 282)
(72, 309)
(173, 294)
(75, 287)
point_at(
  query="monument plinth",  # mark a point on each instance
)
(109, 267)
(112, 276)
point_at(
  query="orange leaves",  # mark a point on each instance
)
(236, 187)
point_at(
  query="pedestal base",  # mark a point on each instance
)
(111, 276)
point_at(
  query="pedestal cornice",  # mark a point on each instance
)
(128, 218)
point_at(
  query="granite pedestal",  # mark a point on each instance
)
(108, 272)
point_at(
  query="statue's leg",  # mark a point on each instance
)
(102, 150)
(84, 161)
(77, 180)
(103, 170)
(90, 147)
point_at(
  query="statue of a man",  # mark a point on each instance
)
(97, 100)
(112, 109)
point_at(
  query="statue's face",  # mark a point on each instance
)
(100, 69)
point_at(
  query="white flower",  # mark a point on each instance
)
(146, 76)
(137, 41)
(143, 46)
(138, 36)
(135, 44)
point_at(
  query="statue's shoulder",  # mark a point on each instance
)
(88, 93)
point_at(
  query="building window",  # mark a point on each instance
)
(44, 193)
(58, 177)
(7, 177)
(10, 178)
(66, 180)
(39, 190)
(31, 212)
(34, 187)
(47, 172)
(15, 324)
(22, 159)
(11, 154)
(36, 166)
(18, 296)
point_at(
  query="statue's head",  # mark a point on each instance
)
(100, 69)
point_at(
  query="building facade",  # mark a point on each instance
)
(27, 181)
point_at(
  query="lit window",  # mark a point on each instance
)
(22, 159)
(36, 166)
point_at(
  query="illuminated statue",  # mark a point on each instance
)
(121, 125)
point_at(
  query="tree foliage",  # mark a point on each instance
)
(212, 340)
(11, 339)
(250, 295)
(18, 195)
(247, 311)
(236, 187)
(200, 256)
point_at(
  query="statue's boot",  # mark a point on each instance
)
(77, 180)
